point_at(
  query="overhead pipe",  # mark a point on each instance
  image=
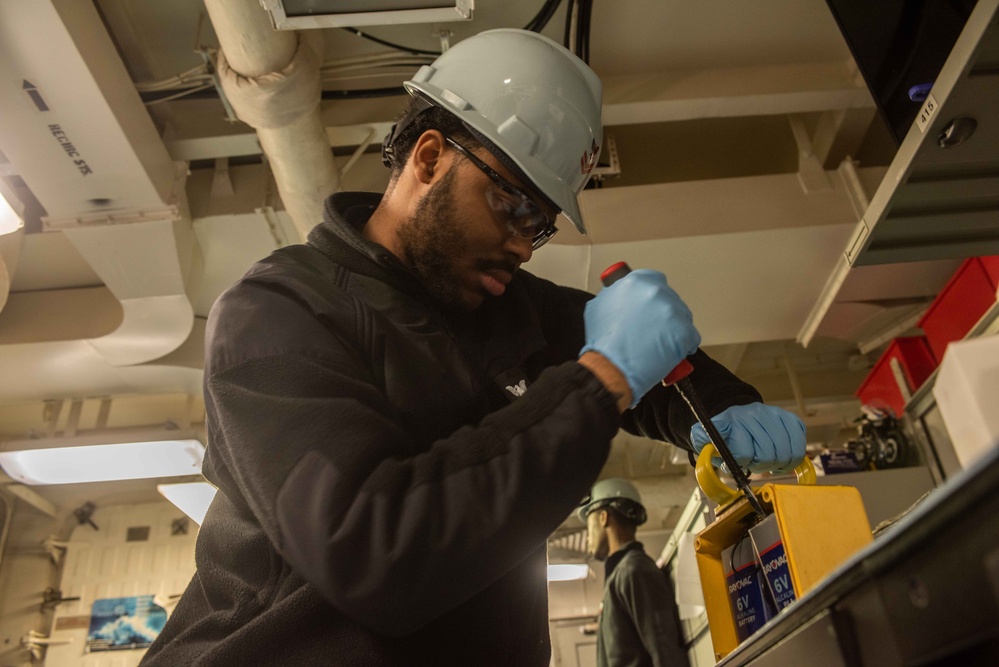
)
(271, 78)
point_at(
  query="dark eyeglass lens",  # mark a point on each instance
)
(523, 216)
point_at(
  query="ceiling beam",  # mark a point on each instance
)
(731, 92)
(246, 143)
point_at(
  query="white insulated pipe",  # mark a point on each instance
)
(271, 78)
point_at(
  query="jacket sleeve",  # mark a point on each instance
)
(392, 535)
(662, 414)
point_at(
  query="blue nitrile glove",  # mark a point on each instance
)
(760, 437)
(643, 327)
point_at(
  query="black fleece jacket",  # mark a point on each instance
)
(385, 493)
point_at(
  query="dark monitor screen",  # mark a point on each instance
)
(900, 47)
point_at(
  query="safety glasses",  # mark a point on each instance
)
(519, 212)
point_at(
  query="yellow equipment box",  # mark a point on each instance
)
(821, 526)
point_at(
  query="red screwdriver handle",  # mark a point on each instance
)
(682, 370)
(611, 275)
(614, 273)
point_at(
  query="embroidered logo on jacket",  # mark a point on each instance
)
(517, 389)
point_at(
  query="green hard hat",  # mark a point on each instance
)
(619, 494)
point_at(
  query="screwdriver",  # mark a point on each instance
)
(678, 378)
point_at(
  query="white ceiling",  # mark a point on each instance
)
(734, 120)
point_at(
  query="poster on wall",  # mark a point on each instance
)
(124, 623)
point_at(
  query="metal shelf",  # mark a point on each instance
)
(936, 202)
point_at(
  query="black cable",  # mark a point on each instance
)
(577, 47)
(551, 13)
(390, 44)
(544, 15)
(362, 93)
(537, 24)
(537, 17)
(568, 23)
(583, 29)
(359, 93)
(583, 13)
(580, 11)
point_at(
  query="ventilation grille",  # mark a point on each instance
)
(567, 544)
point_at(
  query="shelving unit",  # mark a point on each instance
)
(926, 424)
(936, 201)
(924, 591)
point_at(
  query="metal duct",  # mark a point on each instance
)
(75, 130)
(74, 127)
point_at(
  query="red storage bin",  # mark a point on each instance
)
(991, 266)
(961, 303)
(880, 390)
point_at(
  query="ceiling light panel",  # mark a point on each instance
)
(304, 14)
(104, 463)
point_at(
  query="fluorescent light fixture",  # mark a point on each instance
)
(568, 571)
(191, 498)
(104, 463)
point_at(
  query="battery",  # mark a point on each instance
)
(746, 592)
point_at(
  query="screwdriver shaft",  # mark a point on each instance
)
(689, 395)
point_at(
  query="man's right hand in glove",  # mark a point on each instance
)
(642, 327)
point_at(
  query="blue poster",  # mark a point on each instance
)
(124, 623)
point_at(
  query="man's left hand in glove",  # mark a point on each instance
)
(760, 437)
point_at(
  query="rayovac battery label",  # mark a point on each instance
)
(769, 546)
(746, 595)
(777, 574)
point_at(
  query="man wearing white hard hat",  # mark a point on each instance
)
(639, 625)
(399, 415)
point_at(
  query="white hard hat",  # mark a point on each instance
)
(532, 99)
(620, 494)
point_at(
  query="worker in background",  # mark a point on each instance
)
(399, 415)
(639, 624)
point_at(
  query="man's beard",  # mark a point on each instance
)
(434, 239)
(602, 550)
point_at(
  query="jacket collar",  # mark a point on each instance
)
(512, 323)
(339, 237)
(618, 556)
(345, 214)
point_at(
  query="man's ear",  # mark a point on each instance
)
(604, 518)
(426, 155)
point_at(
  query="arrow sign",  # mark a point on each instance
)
(35, 96)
